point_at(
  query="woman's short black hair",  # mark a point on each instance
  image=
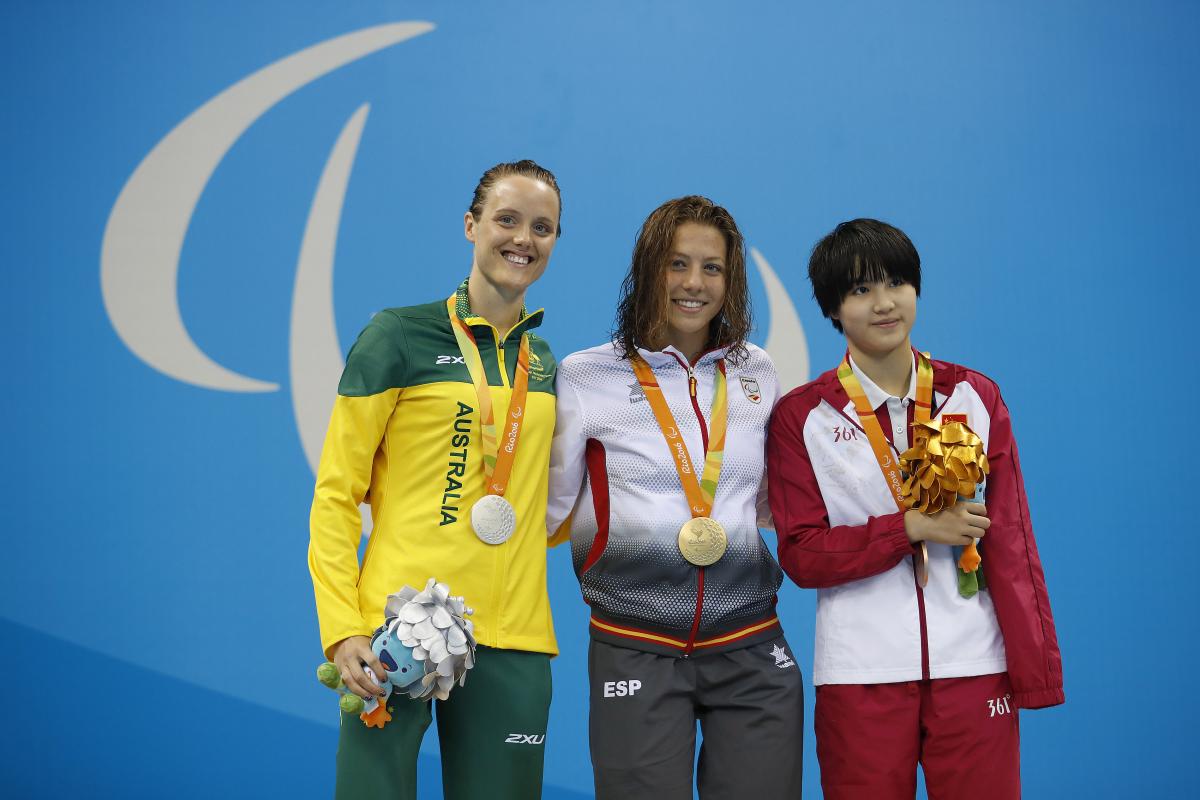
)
(860, 251)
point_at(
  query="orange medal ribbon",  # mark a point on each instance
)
(497, 460)
(700, 490)
(888, 462)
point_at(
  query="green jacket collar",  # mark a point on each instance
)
(462, 307)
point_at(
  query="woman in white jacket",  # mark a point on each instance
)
(657, 477)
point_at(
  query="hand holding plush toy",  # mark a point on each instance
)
(426, 644)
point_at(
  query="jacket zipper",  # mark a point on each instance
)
(499, 562)
(695, 404)
(500, 356)
(922, 621)
(924, 625)
(691, 642)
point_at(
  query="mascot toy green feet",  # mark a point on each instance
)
(350, 703)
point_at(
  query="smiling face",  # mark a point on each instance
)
(877, 317)
(686, 284)
(695, 278)
(514, 235)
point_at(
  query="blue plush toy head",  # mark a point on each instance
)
(402, 668)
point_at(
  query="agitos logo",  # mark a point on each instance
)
(139, 260)
(143, 240)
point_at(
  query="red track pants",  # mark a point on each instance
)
(963, 732)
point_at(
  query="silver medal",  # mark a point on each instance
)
(493, 519)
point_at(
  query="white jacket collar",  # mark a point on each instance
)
(876, 396)
(670, 355)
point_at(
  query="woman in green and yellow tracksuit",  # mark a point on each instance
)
(421, 386)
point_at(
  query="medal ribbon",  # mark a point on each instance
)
(497, 460)
(888, 464)
(700, 494)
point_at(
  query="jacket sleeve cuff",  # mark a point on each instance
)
(338, 638)
(898, 535)
(1042, 698)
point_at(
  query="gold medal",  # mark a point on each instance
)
(702, 541)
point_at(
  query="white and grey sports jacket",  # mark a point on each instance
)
(614, 485)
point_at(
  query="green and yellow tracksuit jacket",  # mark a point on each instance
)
(405, 436)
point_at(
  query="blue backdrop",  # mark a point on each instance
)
(184, 179)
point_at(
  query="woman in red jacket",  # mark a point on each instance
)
(913, 661)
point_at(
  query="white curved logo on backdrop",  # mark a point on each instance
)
(139, 261)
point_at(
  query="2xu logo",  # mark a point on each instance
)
(450, 360)
(999, 706)
(525, 738)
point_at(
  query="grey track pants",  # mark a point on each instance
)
(644, 709)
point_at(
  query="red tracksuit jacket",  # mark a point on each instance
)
(839, 532)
